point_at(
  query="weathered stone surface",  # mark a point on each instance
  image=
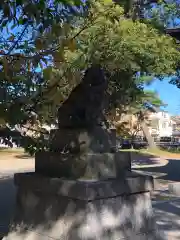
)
(112, 204)
(90, 165)
(81, 210)
(84, 146)
(78, 152)
(76, 140)
(174, 188)
(115, 218)
(85, 189)
(84, 106)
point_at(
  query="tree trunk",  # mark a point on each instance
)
(148, 136)
(145, 130)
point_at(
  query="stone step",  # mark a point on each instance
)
(174, 188)
(88, 165)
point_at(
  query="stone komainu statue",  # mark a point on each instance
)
(84, 106)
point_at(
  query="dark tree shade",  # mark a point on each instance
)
(174, 32)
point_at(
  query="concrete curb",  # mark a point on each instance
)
(174, 188)
(162, 162)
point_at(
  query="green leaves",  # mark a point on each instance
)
(39, 44)
(120, 43)
(22, 21)
(42, 63)
(47, 73)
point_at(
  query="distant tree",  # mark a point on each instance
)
(128, 126)
(149, 103)
(136, 117)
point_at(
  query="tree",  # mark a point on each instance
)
(128, 126)
(150, 102)
(136, 116)
(30, 32)
(165, 13)
(123, 93)
(38, 75)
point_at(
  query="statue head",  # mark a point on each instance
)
(83, 108)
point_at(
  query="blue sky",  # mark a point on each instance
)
(169, 94)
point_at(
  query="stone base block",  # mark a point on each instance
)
(91, 165)
(50, 208)
(174, 188)
(94, 139)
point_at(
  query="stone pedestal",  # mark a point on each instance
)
(115, 204)
(88, 165)
(77, 153)
(53, 208)
(75, 139)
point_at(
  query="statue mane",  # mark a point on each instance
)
(84, 105)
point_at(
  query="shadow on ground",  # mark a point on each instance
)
(167, 213)
(7, 203)
(23, 156)
(143, 159)
(167, 216)
(170, 171)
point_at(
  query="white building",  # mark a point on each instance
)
(160, 124)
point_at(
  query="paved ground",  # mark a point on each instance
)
(15, 163)
(169, 171)
(140, 160)
(166, 206)
(167, 216)
(8, 166)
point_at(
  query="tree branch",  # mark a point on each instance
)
(31, 129)
(19, 38)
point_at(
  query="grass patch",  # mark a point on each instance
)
(159, 152)
(140, 151)
(129, 150)
(155, 152)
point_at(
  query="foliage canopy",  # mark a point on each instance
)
(44, 51)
